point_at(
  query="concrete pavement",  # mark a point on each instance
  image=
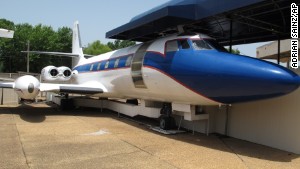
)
(42, 136)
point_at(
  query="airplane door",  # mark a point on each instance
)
(137, 64)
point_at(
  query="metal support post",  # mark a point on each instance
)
(230, 37)
(28, 48)
(207, 127)
(278, 52)
(180, 123)
(101, 105)
(226, 122)
(2, 96)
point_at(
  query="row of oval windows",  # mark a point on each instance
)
(116, 64)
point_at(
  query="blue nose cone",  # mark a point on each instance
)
(235, 79)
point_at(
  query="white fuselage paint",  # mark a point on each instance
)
(118, 83)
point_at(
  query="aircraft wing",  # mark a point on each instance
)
(69, 88)
(60, 88)
(8, 85)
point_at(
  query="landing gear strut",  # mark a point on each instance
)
(132, 101)
(166, 121)
(66, 103)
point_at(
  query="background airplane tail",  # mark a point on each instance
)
(77, 46)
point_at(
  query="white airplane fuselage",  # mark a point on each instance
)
(192, 70)
(118, 82)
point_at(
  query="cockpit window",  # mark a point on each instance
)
(208, 44)
(201, 45)
(184, 44)
(172, 46)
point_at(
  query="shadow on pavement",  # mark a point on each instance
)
(213, 141)
(38, 114)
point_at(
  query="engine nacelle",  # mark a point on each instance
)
(27, 87)
(54, 74)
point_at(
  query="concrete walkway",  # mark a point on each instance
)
(40, 136)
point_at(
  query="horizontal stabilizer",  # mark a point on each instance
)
(52, 53)
(56, 53)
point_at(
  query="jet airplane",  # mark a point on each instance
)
(183, 68)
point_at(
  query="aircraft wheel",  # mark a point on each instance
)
(66, 104)
(164, 123)
(167, 123)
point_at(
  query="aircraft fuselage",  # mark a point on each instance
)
(185, 69)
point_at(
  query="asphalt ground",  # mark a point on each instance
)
(41, 136)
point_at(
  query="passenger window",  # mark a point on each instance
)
(92, 66)
(99, 65)
(106, 65)
(184, 44)
(116, 63)
(172, 46)
(128, 61)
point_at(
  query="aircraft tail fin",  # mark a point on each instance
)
(76, 45)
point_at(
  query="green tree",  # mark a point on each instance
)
(41, 38)
(63, 43)
(7, 46)
(234, 51)
(96, 48)
(118, 44)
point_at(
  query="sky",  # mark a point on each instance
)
(96, 17)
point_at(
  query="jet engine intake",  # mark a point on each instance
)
(54, 74)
